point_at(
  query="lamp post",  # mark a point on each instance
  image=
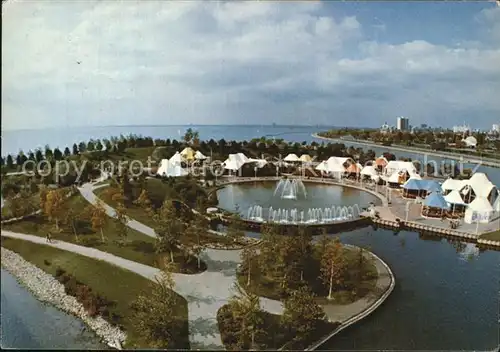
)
(255, 171)
(407, 208)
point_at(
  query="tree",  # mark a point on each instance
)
(120, 221)
(9, 162)
(48, 152)
(98, 145)
(57, 154)
(188, 136)
(248, 256)
(306, 250)
(71, 218)
(168, 228)
(38, 155)
(301, 313)
(234, 230)
(143, 200)
(333, 265)
(197, 226)
(67, 152)
(53, 206)
(91, 146)
(98, 218)
(82, 147)
(155, 314)
(247, 313)
(75, 149)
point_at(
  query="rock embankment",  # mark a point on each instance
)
(47, 289)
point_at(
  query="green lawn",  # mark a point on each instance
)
(137, 246)
(265, 285)
(274, 336)
(115, 284)
(495, 236)
(140, 214)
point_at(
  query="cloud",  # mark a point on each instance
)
(96, 63)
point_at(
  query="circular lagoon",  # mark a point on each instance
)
(293, 201)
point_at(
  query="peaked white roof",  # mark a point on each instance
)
(480, 184)
(235, 161)
(453, 185)
(480, 204)
(321, 166)
(291, 157)
(167, 168)
(176, 158)
(397, 165)
(470, 141)
(369, 171)
(394, 178)
(305, 158)
(337, 159)
(198, 155)
(258, 162)
(454, 197)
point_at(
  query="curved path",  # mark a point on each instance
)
(205, 292)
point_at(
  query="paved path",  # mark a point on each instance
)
(205, 292)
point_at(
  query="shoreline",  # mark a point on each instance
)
(383, 271)
(445, 155)
(45, 288)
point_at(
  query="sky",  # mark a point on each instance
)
(95, 63)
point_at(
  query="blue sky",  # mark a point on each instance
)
(90, 63)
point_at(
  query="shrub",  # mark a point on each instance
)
(46, 262)
(71, 286)
(59, 272)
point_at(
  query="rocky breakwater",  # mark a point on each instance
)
(47, 289)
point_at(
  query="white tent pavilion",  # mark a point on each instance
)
(480, 184)
(479, 210)
(305, 158)
(291, 157)
(235, 161)
(199, 156)
(369, 171)
(450, 185)
(171, 169)
(454, 197)
(176, 158)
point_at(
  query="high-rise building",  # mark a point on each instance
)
(495, 127)
(403, 123)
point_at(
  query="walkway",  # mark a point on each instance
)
(205, 293)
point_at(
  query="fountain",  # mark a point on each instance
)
(290, 188)
(310, 216)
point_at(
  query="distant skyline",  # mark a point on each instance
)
(90, 63)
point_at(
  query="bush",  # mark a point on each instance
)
(59, 272)
(46, 262)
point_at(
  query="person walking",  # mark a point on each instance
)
(48, 238)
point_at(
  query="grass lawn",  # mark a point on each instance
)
(265, 285)
(137, 246)
(140, 214)
(495, 236)
(33, 199)
(117, 285)
(275, 335)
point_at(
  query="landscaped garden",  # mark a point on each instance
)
(117, 294)
(77, 221)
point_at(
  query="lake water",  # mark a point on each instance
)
(446, 295)
(27, 323)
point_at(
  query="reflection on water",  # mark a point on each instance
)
(445, 298)
(29, 324)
